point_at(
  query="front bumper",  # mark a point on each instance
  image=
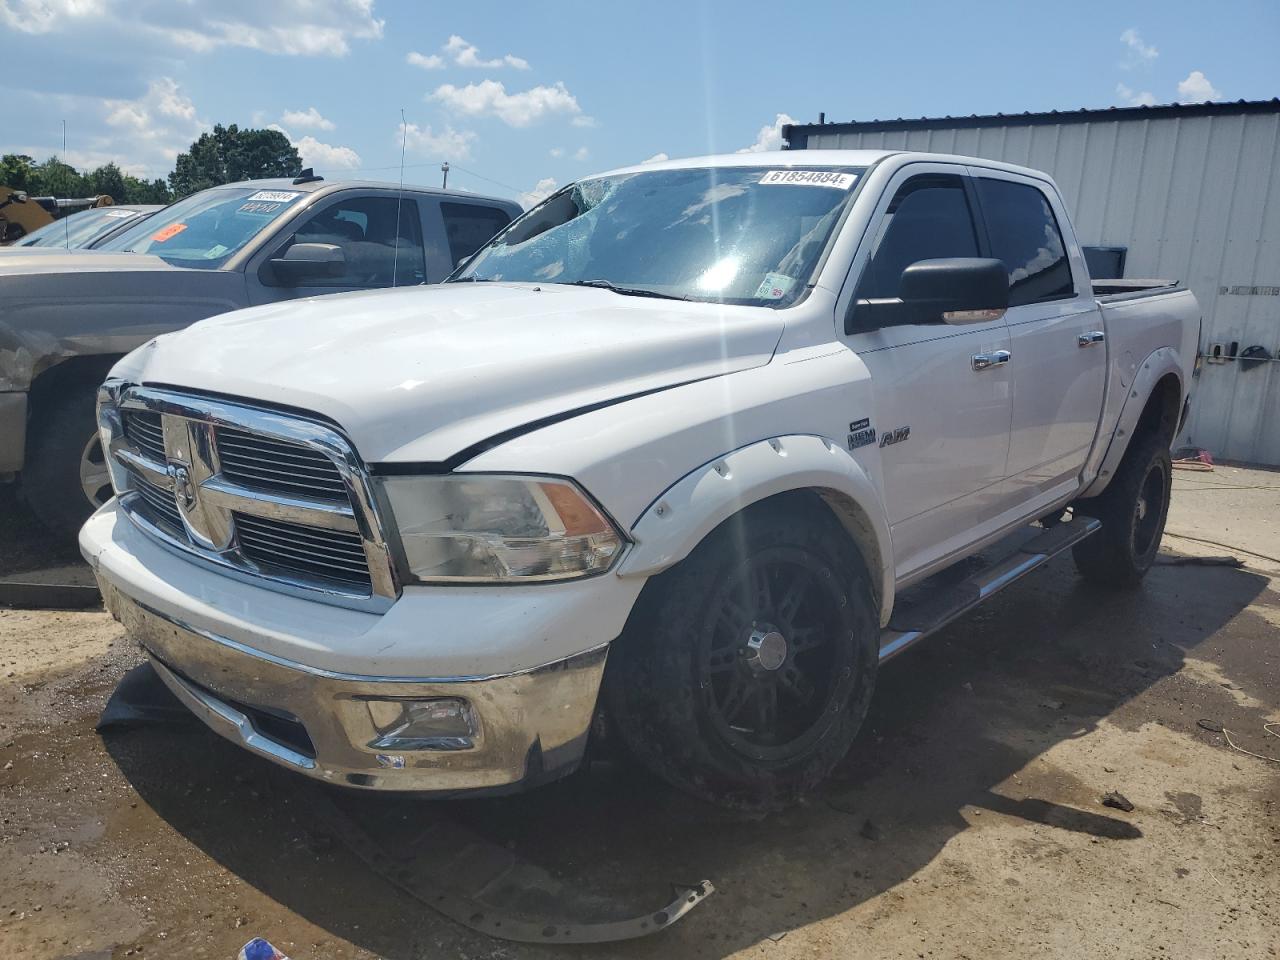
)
(531, 723)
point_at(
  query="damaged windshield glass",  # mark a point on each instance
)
(749, 235)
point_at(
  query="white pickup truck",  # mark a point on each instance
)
(674, 459)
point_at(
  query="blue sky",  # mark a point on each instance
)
(521, 96)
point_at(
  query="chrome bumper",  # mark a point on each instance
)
(532, 726)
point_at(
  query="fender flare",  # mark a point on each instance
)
(687, 511)
(1158, 364)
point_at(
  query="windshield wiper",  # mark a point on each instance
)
(625, 291)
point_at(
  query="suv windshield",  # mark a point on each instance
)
(749, 235)
(207, 227)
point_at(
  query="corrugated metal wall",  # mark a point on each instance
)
(1196, 199)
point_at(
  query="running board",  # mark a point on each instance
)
(912, 621)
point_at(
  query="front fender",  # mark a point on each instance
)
(688, 510)
(1151, 371)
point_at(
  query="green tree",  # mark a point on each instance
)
(106, 179)
(142, 191)
(17, 171)
(57, 179)
(229, 154)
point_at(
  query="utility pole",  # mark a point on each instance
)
(444, 168)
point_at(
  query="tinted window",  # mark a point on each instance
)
(1025, 235)
(928, 218)
(364, 228)
(469, 227)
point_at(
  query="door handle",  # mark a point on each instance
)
(981, 361)
(1090, 338)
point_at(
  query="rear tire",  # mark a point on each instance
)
(1133, 509)
(65, 477)
(746, 670)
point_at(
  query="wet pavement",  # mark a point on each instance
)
(966, 822)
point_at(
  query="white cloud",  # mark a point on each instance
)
(1196, 88)
(581, 154)
(490, 97)
(1140, 53)
(290, 27)
(324, 156)
(541, 190)
(156, 126)
(44, 16)
(556, 152)
(424, 60)
(583, 121)
(448, 144)
(769, 137)
(309, 119)
(656, 158)
(1134, 98)
(467, 55)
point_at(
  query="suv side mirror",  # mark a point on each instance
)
(950, 290)
(956, 290)
(309, 261)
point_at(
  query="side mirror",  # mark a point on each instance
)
(952, 290)
(309, 261)
(956, 290)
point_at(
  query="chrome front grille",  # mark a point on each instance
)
(272, 465)
(259, 494)
(331, 555)
(160, 503)
(147, 431)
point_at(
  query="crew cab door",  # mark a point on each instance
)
(1056, 332)
(379, 234)
(943, 393)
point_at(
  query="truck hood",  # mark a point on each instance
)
(422, 375)
(56, 260)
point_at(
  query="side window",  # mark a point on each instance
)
(1024, 234)
(929, 217)
(470, 226)
(364, 228)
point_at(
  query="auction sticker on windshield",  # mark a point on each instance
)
(275, 196)
(168, 233)
(810, 178)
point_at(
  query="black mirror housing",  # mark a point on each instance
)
(309, 261)
(954, 290)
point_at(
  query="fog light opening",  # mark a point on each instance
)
(439, 723)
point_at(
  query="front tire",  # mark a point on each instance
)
(65, 477)
(1133, 509)
(745, 671)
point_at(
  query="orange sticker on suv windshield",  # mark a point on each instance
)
(172, 230)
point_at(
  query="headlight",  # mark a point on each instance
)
(497, 528)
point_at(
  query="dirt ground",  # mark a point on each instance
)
(966, 823)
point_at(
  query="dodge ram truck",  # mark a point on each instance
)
(675, 461)
(66, 317)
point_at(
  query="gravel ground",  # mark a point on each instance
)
(966, 823)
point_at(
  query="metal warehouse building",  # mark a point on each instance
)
(1190, 193)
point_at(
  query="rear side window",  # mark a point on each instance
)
(929, 217)
(470, 226)
(1024, 234)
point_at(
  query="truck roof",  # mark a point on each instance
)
(328, 186)
(820, 158)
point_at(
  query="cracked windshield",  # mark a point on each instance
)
(747, 235)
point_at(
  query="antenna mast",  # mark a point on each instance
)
(66, 225)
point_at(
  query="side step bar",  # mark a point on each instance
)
(913, 622)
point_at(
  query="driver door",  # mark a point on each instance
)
(942, 393)
(364, 228)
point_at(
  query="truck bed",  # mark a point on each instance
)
(1109, 291)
